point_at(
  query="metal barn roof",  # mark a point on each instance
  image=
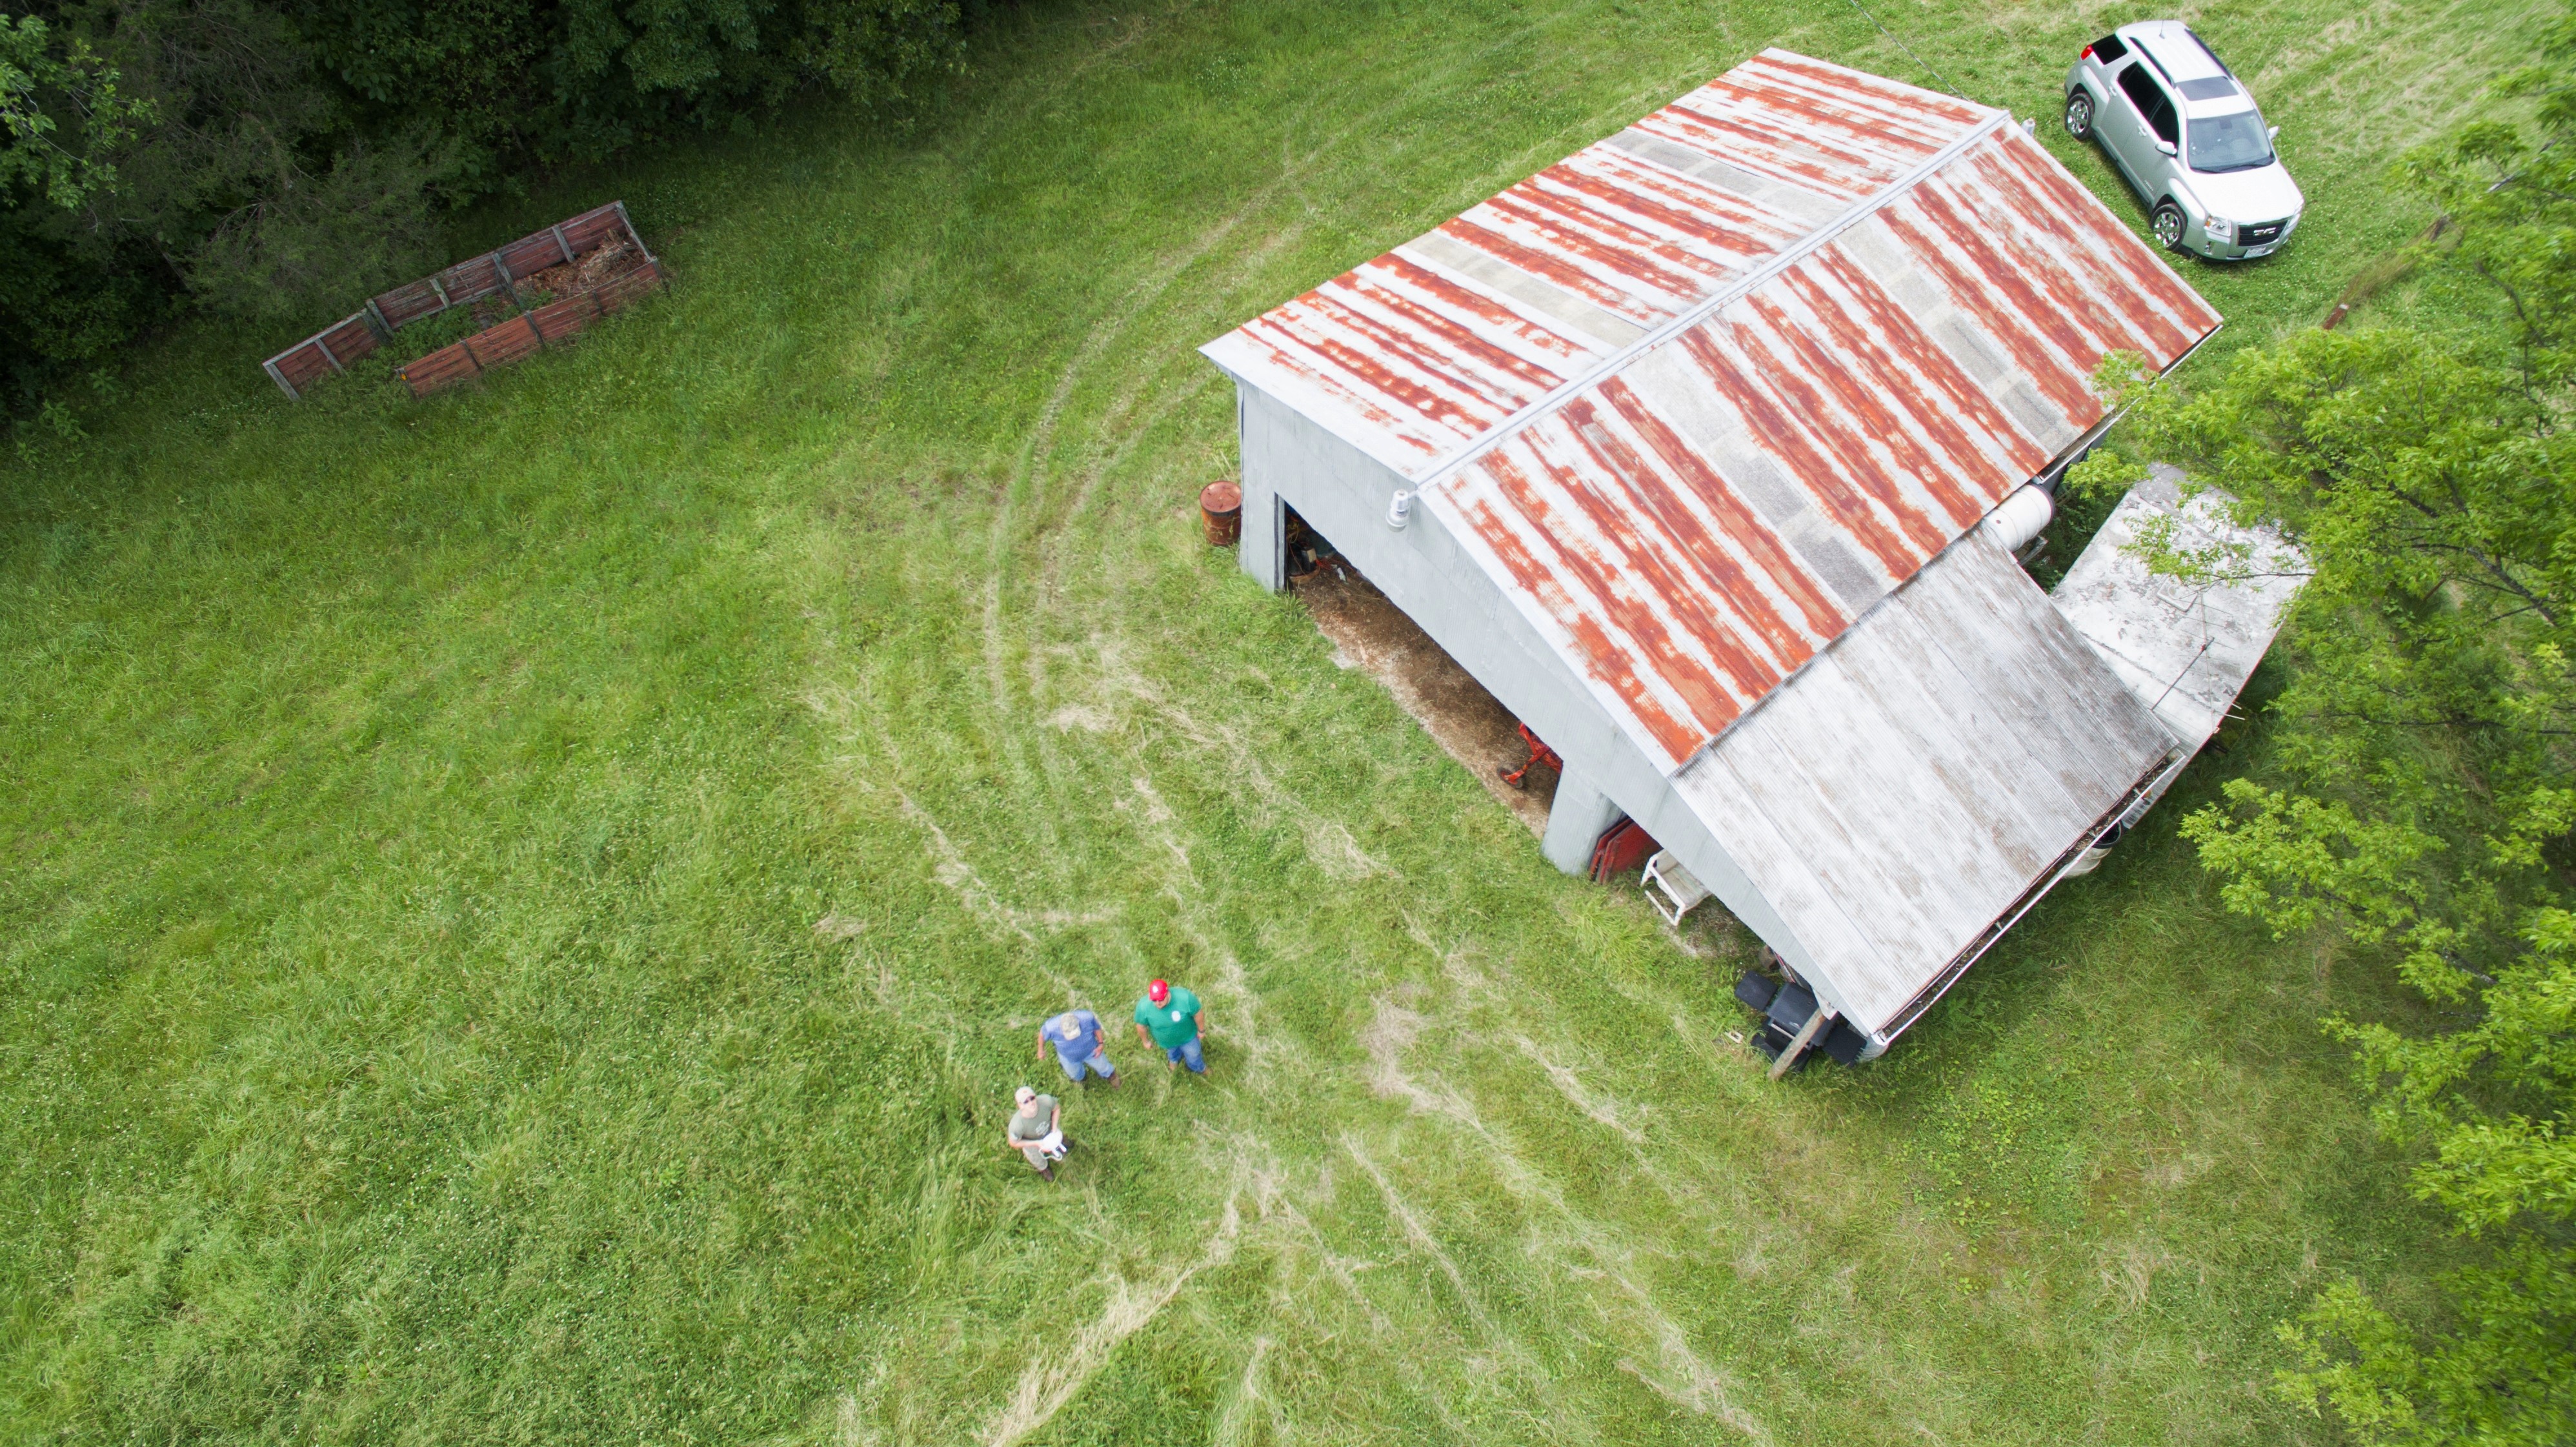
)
(2184, 649)
(1702, 393)
(1942, 759)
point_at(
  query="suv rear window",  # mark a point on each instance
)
(2153, 103)
(2213, 87)
(2108, 50)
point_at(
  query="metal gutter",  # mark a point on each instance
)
(2133, 806)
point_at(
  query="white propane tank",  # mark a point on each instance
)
(2021, 517)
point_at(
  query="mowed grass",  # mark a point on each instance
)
(523, 911)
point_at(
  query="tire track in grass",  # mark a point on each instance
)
(1664, 1361)
(979, 898)
(1571, 1086)
(1406, 1364)
(1247, 1395)
(1047, 1383)
(1679, 1375)
(1029, 473)
(875, 764)
(1430, 1247)
(1033, 475)
(1721, 1204)
(1330, 845)
(1232, 987)
(1014, 674)
(1524, 1361)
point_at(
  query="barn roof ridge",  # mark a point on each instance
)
(1734, 291)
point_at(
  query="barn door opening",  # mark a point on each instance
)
(1307, 549)
(1371, 634)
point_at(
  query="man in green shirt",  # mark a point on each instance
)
(1168, 1019)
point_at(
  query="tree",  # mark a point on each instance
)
(63, 116)
(64, 176)
(2426, 751)
(275, 159)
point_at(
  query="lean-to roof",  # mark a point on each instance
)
(2184, 649)
(1941, 759)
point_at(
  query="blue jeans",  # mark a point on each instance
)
(1099, 1061)
(1188, 1054)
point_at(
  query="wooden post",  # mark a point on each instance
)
(560, 244)
(660, 273)
(501, 269)
(324, 348)
(280, 378)
(1807, 1033)
(376, 322)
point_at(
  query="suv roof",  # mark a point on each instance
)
(2206, 84)
(2179, 53)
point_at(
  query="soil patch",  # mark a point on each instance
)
(1372, 634)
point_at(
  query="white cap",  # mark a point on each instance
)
(1024, 1095)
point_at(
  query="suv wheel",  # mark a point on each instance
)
(2079, 116)
(2169, 226)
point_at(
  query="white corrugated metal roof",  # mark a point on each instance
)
(1935, 764)
(1700, 395)
(2184, 649)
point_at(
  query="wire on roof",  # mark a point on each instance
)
(2200, 601)
(1909, 50)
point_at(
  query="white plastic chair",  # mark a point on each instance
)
(1670, 888)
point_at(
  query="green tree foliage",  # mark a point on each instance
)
(272, 159)
(35, 157)
(2427, 755)
(63, 118)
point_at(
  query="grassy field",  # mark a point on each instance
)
(523, 911)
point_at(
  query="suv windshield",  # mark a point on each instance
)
(2230, 143)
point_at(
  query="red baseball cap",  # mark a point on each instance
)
(1159, 991)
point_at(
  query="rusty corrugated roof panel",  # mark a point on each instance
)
(1703, 393)
(1418, 354)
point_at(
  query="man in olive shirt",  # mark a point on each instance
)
(1168, 1019)
(1036, 1130)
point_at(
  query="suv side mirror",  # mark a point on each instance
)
(2167, 147)
(2274, 134)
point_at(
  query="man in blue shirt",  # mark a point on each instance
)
(1079, 1045)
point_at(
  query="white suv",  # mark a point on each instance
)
(2176, 121)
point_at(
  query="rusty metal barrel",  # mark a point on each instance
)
(1221, 512)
